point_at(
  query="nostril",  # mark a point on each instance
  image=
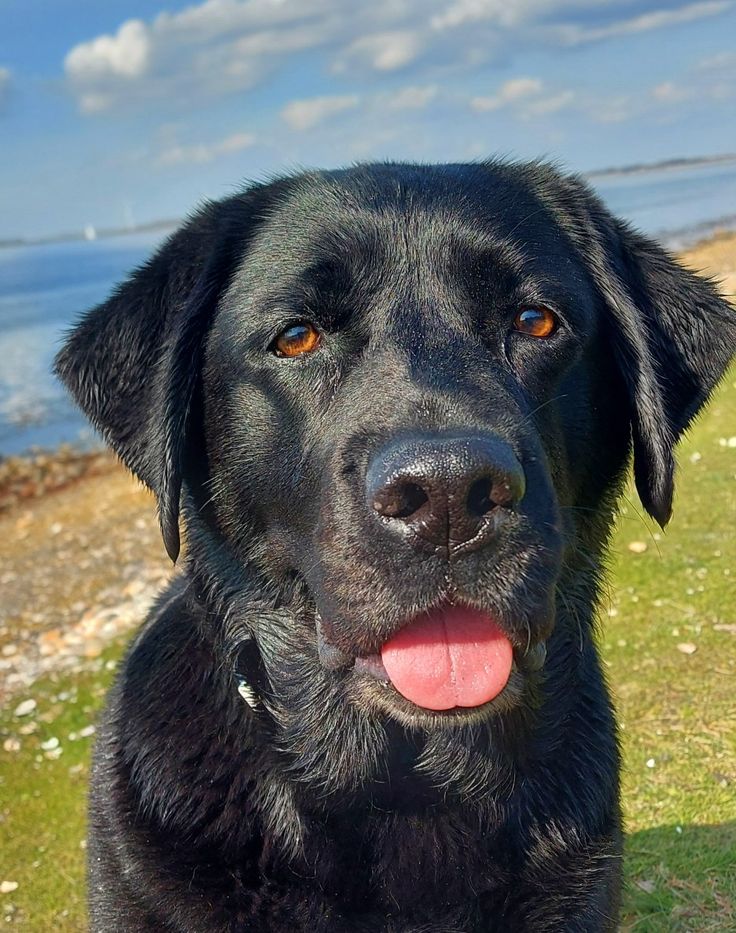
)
(400, 500)
(486, 494)
(479, 502)
(506, 494)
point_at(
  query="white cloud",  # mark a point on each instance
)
(202, 153)
(383, 51)
(670, 93)
(657, 19)
(126, 54)
(206, 49)
(504, 13)
(524, 96)
(615, 109)
(473, 11)
(717, 62)
(510, 91)
(547, 105)
(94, 102)
(306, 114)
(216, 47)
(412, 98)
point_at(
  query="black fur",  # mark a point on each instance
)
(334, 804)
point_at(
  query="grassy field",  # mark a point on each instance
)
(668, 633)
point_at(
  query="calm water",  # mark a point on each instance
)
(44, 288)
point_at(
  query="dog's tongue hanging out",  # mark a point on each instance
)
(450, 657)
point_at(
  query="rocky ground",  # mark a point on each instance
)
(81, 556)
(79, 565)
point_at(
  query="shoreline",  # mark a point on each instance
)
(614, 172)
(42, 471)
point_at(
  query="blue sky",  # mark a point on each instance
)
(137, 109)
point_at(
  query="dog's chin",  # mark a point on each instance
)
(367, 683)
(383, 699)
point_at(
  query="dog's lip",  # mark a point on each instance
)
(527, 660)
(331, 657)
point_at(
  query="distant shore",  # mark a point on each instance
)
(616, 171)
(91, 234)
(665, 165)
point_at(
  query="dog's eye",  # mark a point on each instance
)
(536, 322)
(297, 340)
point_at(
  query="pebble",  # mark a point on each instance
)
(25, 708)
(74, 647)
(50, 744)
(687, 647)
(638, 547)
(7, 887)
(11, 745)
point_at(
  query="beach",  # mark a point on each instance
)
(81, 553)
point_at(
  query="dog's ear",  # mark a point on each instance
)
(133, 363)
(674, 337)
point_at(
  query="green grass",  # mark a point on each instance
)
(676, 709)
(43, 799)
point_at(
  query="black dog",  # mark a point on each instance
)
(396, 404)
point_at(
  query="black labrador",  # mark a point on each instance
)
(395, 405)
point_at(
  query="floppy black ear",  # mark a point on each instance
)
(672, 334)
(132, 364)
(674, 338)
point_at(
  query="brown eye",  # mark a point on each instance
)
(536, 322)
(297, 340)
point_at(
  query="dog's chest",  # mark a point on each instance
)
(405, 865)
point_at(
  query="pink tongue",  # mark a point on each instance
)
(450, 657)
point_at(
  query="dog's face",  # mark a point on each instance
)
(403, 397)
(402, 392)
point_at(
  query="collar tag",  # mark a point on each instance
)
(247, 692)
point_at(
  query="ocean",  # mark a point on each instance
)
(44, 288)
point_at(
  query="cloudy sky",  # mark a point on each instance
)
(114, 111)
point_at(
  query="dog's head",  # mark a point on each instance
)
(401, 398)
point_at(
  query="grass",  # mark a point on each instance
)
(671, 662)
(669, 641)
(42, 802)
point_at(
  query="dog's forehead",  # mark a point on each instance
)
(360, 222)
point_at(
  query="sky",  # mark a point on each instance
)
(127, 111)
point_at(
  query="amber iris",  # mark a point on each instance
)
(297, 340)
(536, 322)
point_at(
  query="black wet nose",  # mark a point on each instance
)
(445, 489)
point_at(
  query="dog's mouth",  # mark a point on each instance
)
(451, 658)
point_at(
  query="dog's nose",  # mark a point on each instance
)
(446, 489)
